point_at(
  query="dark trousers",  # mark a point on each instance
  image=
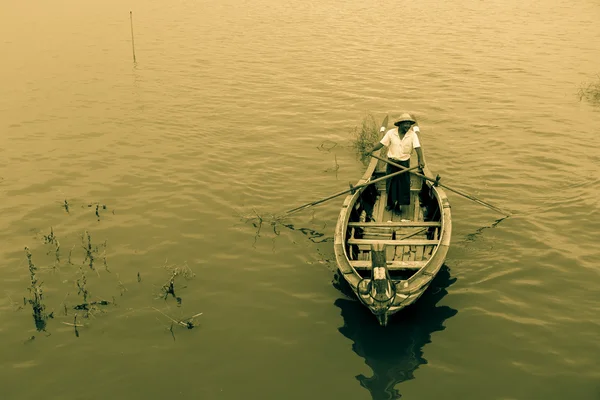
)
(398, 187)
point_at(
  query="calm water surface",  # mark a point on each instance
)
(242, 107)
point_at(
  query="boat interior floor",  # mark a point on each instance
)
(409, 240)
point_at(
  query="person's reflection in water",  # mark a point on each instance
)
(396, 351)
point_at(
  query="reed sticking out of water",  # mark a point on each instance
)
(36, 300)
(591, 92)
(89, 251)
(365, 138)
(57, 252)
(75, 325)
(82, 290)
(257, 221)
(132, 41)
(169, 287)
(89, 307)
(70, 253)
(52, 239)
(98, 208)
(104, 256)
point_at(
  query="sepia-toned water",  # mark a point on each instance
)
(238, 110)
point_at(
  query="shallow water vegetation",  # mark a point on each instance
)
(74, 270)
(591, 91)
(82, 290)
(40, 316)
(91, 251)
(169, 287)
(97, 207)
(60, 266)
(365, 136)
(257, 220)
(53, 240)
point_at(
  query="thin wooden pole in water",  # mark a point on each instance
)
(132, 42)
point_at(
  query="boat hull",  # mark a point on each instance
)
(388, 258)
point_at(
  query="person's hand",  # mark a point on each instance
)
(382, 129)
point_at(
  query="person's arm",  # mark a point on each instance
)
(385, 141)
(417, 147)
(376, 147)
(420, 157)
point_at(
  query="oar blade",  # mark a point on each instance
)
(384, 124)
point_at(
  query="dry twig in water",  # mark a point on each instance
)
(186, 323)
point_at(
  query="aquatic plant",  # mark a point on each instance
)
(83, 304)
(257, 221)
(52, 239)
(86, 304)
(89, 249)
(98, 208)
(37, 296)
(590, 92)
(104, 256)
(169, 287)
(365, 137)
(82, 290)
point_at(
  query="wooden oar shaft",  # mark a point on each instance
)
(293, 210)
(468, 196)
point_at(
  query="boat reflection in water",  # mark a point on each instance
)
(394, 352)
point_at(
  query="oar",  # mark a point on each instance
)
(352, 189)
(313, 203)
(468, 196)
(384, 124)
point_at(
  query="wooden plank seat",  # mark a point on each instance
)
(389, 242)
(396, 224)
(373, 232)
(392, 265)
(377, 235)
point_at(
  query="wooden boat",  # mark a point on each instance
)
(390, 258)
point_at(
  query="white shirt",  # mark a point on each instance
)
(401, 149)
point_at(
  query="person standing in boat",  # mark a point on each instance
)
(401, 141)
